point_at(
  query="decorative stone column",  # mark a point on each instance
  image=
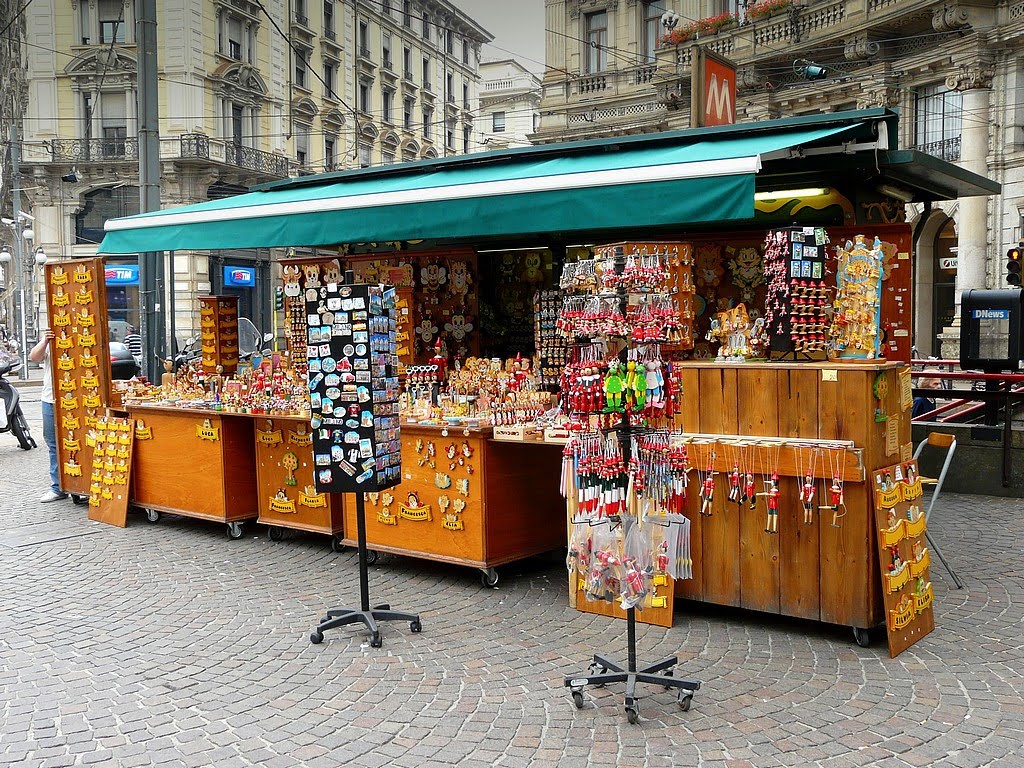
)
(974, 81)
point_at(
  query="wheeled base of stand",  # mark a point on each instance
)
(603, 671)
(339, 617)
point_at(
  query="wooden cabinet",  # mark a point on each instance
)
(284, 473)
(816, 571)
(467, 499)
(194, 463)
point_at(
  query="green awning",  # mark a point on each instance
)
(689, 178)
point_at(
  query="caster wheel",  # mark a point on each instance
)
(489, 577)
(862, 637)
(684, 700)
(633, 715)
(78, 500)
(316, 638)
(371, 557)
(274, 533)
(577, 699)
(416, 627)
(375, 641)
(153, 515)
(234, 530)
(337, 546)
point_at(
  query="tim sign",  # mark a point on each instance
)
(713, 90)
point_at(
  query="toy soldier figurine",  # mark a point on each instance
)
(734, 484)
(807, 498)
(707, 491)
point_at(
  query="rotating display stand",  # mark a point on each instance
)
(351, 353)
(602, 669)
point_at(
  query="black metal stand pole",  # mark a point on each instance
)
(364, 576)
(338, 617)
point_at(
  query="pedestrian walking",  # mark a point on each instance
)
(133, 341)
(40, 353)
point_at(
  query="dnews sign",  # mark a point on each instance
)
(712, 89)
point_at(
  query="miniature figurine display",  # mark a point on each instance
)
(855, 330)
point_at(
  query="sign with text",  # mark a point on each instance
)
(713, 89)
(239, 277)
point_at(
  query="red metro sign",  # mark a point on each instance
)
(713, 90)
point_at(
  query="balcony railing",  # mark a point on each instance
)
(330, 34)
(301, 18)
(944, 149)
(364, 52)
(95, 150)
(407, 75)
(199, 146)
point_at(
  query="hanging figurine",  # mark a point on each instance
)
(734, 484)
(807, 498)
(749, 491)
(772, 523)
(613, 386)
(707, 489)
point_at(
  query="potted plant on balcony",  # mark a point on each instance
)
(711, 25)
(767, 8)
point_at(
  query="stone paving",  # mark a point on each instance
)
(171, 645)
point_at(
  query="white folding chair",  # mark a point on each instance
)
(938, 440)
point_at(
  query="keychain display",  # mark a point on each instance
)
(77, 310)
(552, 350)
(799, 298)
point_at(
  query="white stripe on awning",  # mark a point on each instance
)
(644, 174)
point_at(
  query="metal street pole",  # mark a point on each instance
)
(19, 249)
(152, 286)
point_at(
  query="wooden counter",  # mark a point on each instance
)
(195, 463)
(284, 474)
(510, 491)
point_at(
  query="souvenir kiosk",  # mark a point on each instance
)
(696, 190)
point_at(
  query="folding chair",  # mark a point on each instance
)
(947, 441)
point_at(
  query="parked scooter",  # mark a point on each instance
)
(250, 342)
(11, 418)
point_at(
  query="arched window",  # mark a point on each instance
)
(100, 205)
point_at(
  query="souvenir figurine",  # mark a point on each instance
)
(734, 484)
(807, 498)
(772, 523)
(749, 493)
(707, 491)
(613, 386)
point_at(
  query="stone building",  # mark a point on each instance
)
(954, 70)
(345, 83)
(509, 104)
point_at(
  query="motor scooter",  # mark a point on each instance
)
(11, 418)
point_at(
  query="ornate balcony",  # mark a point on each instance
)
(94, 150)
(944, 149)
(201, 147)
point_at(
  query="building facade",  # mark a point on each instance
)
(509, 104)
(954, 70)
(249, 92)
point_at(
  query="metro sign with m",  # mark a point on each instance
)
(714, 90)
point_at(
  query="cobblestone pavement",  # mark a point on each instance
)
(171, 645)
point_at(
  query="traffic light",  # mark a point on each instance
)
(1013, 259)
(278, 298)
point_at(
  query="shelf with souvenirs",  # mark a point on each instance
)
(799, 420)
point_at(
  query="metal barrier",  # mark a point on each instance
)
(982, 408)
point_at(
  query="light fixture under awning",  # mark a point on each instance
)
(698, 179)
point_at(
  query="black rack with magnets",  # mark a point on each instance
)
(603, 670)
